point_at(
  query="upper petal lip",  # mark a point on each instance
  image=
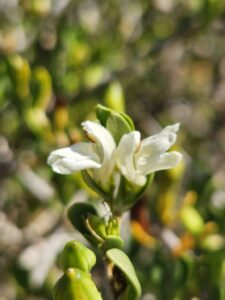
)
(105, 147)
(97, 154)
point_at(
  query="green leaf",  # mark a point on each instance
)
(123, 263)
(75, 285)
(102, 114)
(78, 214)
(112, 241)
(76, 255)
(118, 126)
(117, 123)
(183, 268)
(129, 120)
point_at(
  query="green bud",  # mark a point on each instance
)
(76, 255)
(39, 7)
(76, 285)
(36, 119)
(113, 227)
(106, 233)
(19, 70)
(42, 87)
(114, 97)
(94, 75)
(212, 243)
(78, 52)
(98, 225)
(192, 220)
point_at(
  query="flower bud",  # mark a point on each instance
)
(76, 255)
(19, 69)
(75, 285)
(37, 120)
(98, 225)
(114, 97)
(113, 227)
(38, 7)
(42, 86)
(213, 243)
(192, 220)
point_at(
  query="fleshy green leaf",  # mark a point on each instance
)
(78, 214)
(123, 263)
(102, 114)
(129, 120)
(112, 241)
(117, 123)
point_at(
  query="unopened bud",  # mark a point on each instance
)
(75, 285)
(76, 255)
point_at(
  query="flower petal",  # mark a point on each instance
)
(105, 148)
(158, 143)
(172, 128)
(128, 145)
(100, 135)
(74, 158)
(163, 161)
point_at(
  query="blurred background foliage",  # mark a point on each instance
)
(162, 60)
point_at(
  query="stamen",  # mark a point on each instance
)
(89, 136)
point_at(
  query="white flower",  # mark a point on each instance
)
(98, 154)
(136, 158)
